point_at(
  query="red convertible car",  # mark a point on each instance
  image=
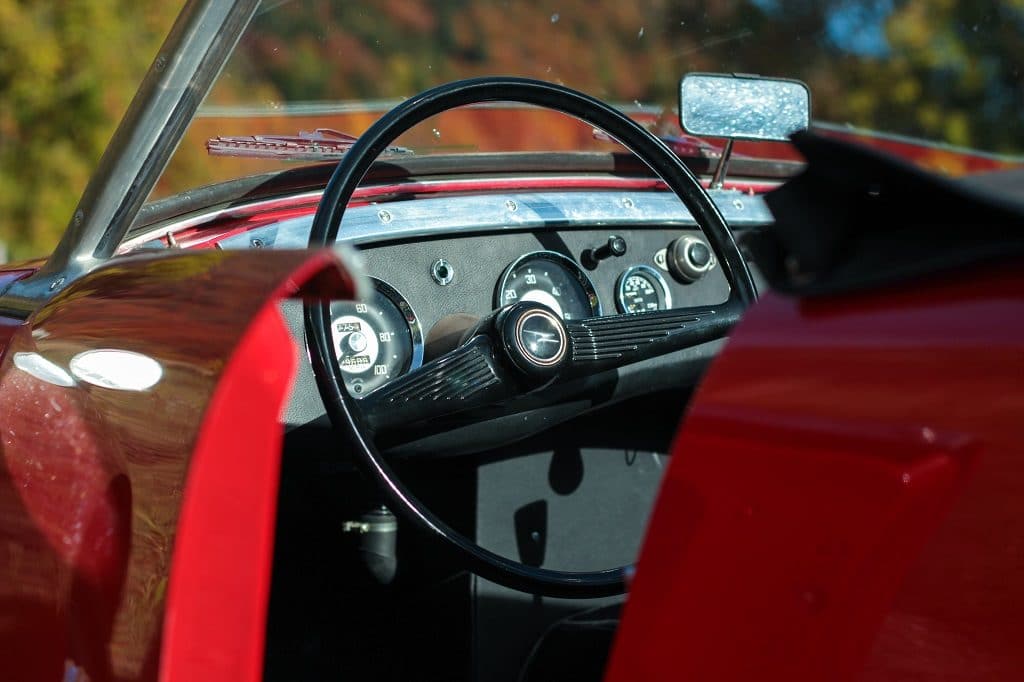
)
(519, 383)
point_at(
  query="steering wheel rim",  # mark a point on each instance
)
(343, 410)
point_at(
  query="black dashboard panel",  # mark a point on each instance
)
(478, 262)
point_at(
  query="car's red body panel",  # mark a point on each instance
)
(13, 271)
(846, 496)
(114, 503)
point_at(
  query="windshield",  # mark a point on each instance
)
(949, 74)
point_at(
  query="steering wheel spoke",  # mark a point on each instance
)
(465, 378)
(601, 343)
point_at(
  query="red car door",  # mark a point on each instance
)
(139, 465)
(846, 496)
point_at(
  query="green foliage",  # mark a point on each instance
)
(67, 73)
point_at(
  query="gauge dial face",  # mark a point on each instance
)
(642, 289)
(552, 280)
(375, 340)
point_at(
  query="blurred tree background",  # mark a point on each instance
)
(943, 70)
(67, 72)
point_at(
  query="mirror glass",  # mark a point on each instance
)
(743, 107)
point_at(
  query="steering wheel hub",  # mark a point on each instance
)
(534, 339)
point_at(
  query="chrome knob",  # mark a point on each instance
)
(689, 258)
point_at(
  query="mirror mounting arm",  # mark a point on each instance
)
(723, 166)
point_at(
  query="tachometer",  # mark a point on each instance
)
(640, 289)
(551, 279)
(375, 340)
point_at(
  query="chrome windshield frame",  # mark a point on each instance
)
(185, 68)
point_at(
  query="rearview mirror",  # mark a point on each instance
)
(743, 107)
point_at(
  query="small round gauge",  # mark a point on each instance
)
(550, 279)
(642, 289)
(375, 340)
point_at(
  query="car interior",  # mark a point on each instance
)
(553, 473)
(473, 446)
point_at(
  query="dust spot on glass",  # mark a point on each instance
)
(554, 18)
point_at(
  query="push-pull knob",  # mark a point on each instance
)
(689, 258)
(615, 246)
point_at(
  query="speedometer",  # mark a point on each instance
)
(551, 279)
(375, 340)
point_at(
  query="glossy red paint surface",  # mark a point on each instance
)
(935, 157)
(93, 478)
(10, 273)
(846, 496)
(215, 619)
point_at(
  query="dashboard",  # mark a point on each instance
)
(440, 262)
(448, 284)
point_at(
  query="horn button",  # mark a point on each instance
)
(534, 338)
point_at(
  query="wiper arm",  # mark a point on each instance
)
(322, 144)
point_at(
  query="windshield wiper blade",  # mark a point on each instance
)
(322, 144)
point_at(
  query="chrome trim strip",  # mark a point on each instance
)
(161, 229)
(507, 211)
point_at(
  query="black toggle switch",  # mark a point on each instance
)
(615, 246)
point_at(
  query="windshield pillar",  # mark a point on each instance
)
(178, 80)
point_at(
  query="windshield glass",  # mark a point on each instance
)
(949, 74)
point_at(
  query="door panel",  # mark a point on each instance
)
(845, 498)
(100, 452)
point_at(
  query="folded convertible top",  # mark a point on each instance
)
(857, 218)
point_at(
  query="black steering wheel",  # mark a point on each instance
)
(497, 361)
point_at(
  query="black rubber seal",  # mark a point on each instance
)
(858, 219)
